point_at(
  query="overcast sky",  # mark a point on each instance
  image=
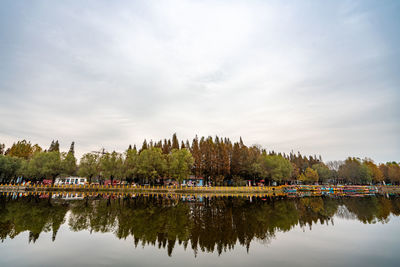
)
(320, 77)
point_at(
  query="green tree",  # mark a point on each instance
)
(130, 163)
(89, 166)
(111, 165)
(144, 146)
(45, 165)
(323, 171)
(180, 164)
(366, 173)
(54, 146)
(151, 164)
(2, 149)
(9, 167)
(275, 167)
(69, 161)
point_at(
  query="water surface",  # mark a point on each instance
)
(50, 230)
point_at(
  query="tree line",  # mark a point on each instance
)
(218, 160)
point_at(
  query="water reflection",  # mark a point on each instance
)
(209, 224)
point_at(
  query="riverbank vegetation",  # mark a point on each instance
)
(218, 160)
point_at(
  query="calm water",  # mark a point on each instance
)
(173, 231)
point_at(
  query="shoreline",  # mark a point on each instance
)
(244, 190)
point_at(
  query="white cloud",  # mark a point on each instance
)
(312, 77)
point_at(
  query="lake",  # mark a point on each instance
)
(137, 230)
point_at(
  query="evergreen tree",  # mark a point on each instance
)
(166, 148)
(54, 146)
(69, 166)
(195, 150)
(2, 149)
(144, 146)
(175, 142)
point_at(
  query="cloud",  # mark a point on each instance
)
(316, 77)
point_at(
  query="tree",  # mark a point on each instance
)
(309, 175)
(23, 149)
(365, 174)
(350, 170)
(393, 172)
(2, 149)
(323, 171)
(195, 150)
(69, 161)
(144, 146)
(357, 172)
(175, 142)
(377, 175)
(250, 159)
(295, 172)
(45, 165)
(111, 165)
(9, 167)
(130, 163)
(151, 164)
(54, 146)
(275, 167)
(89, 166)
(236, 162)
(180, 164)
(334, 165)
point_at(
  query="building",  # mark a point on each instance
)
(193, 181)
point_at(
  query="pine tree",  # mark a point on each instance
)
(2, 149)
(195, 150)
(175, 142)
(72, 148)
(54, 146)
(68, 163)
(236, 165)
(166, 148)
(51, 148)
(144, 146)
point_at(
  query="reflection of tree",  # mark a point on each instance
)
(214, 224)
(370, 209)
(30, 214)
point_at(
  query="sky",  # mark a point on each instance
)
(319, 77)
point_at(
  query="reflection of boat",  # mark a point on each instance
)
(360, 189)
(290, 189)
(192, 198)
(69, 196)
(331, 189)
